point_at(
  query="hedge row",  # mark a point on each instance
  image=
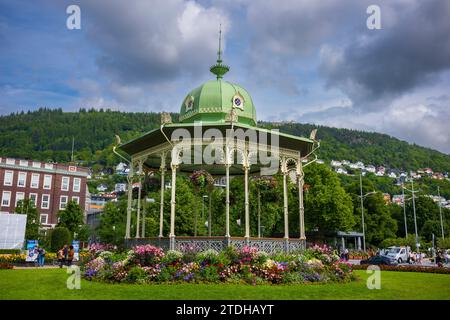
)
(410, 268)
(9, 251)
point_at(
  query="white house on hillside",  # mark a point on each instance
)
(102, 187)
(335, 163)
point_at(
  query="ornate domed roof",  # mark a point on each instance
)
(214, 100)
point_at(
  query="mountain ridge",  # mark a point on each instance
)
(46, 134)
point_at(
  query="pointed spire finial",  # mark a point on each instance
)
(218, 69)
(220, 45)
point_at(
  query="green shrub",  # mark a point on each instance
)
(166, 274)
(292, 277)
(59, 237)
(407, 268)
(173, 256)
(118, 256)
(210, 274)
(443, 244)
(261, 257)
(136, 274)
(231, 253)
(209, 256)
(9, 251)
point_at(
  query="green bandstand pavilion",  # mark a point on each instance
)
(217, 119)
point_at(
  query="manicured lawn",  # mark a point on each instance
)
(51, 284)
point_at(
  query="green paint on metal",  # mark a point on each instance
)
(213, 101)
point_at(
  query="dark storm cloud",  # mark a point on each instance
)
(148, 41)
(285, 37)
(389, 62)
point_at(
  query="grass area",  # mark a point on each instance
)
(51, 284)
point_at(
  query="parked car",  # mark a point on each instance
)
(379, 260)
(399, 254)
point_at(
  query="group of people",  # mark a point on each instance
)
(415, 257)
(442, 258)
(65, 256)
(40, 252)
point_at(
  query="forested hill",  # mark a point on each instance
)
(47, 134)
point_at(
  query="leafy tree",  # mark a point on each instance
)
(71, 217)
(443, 244)
(378, 220)
(409, 241)
(426, 212)
(327, 206)
(265, 190)
(59, 237)
(27, 207)
(112, 223)
(184, 225)
(379, 223)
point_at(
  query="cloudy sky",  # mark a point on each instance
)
(307, 61)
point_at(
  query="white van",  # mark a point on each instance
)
(399, 254)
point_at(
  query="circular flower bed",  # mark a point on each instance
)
(149, 264)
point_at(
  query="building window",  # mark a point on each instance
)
(44, 218)
(35, 180)
(10, 161)
(19, 196)
(36, 164)
(65, 183)
(45, 201)
(6, 198)
(76, 184)
(22, 180)
(47, 182)
(33, 198)
(76, 200)
(63, 202)
(23, 163)
(8, 181)
(49, 166)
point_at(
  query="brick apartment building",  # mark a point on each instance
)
(50, 185)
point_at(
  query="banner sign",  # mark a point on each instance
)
(76, 248)
(31, 252)
(12, 230)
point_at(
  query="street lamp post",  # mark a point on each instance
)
(413, 192)
(414, 210)
(404, 210)
(440, 213)
(362, 209)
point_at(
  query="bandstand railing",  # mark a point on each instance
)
(198, 244)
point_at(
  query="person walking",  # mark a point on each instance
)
(41, 257)
(438, 259)
(60, 256)
(70, 256)
(65, 253)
